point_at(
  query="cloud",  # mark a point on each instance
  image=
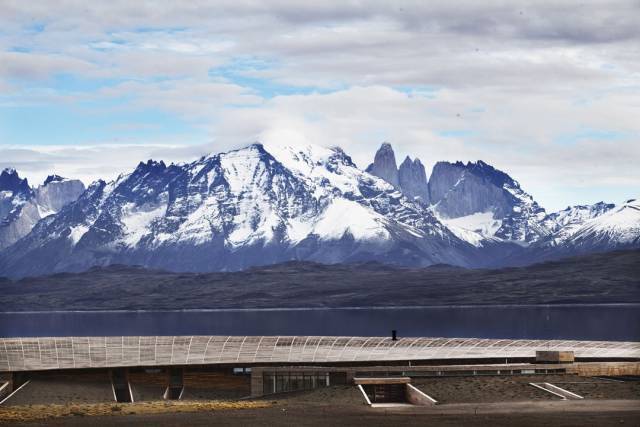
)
(447, 126)
(423, 43)
(189, 98)
(21, 65)
(526, 86)
(517, 136)
(91, 162)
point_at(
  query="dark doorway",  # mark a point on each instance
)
(120, 383)
(386, 393)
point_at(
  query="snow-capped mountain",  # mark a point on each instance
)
(565, 222)
(487, 208)
(598, 227)
(601, 227)
(21, 206)
(232, 210)
(477, 202)
(267, 204)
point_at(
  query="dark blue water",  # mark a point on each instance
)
(584, 322)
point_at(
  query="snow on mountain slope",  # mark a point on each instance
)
(321, 166)
(77, 232)
(345, 216)
(566, 222)
(481, 222)
(327, 181)
(331, 172)
(475, 228)
(458, 190)
(619, 226)
(267, 204)
(138, 219)
(243, 196)
(232, 210)
(609, 228)
(578, 214)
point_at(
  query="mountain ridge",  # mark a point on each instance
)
(231, 210)
(265, 204)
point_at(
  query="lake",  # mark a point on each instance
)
(618, 322)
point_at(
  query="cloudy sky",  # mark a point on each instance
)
(547, 91)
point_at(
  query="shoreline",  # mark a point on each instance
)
(269, 309)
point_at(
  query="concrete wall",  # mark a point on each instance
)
(5, 390)
(382, 380)
(604, 369)
(416, 397)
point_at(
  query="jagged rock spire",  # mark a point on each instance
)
(384, 165)
(413, 179)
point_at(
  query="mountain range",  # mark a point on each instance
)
(266, 204)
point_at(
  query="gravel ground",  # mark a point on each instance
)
(474, 401)
(330, 396)
(338, 406)
(60, 390)
(593, 388)
(317, 417)
(488, 389)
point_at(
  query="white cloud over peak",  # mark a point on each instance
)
(548, 91)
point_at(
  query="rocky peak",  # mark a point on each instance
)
(150, 166)
(11, 181)
(384, 165)
(461, 190)
(493, 175)
(444, 177)
(53, 178)
(413, 179)
(341, 157)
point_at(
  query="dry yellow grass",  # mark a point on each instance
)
(42, 412)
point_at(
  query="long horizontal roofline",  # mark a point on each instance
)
(24, 354)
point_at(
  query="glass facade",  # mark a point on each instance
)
(278, 382)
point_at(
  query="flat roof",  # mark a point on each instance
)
(24, 354)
